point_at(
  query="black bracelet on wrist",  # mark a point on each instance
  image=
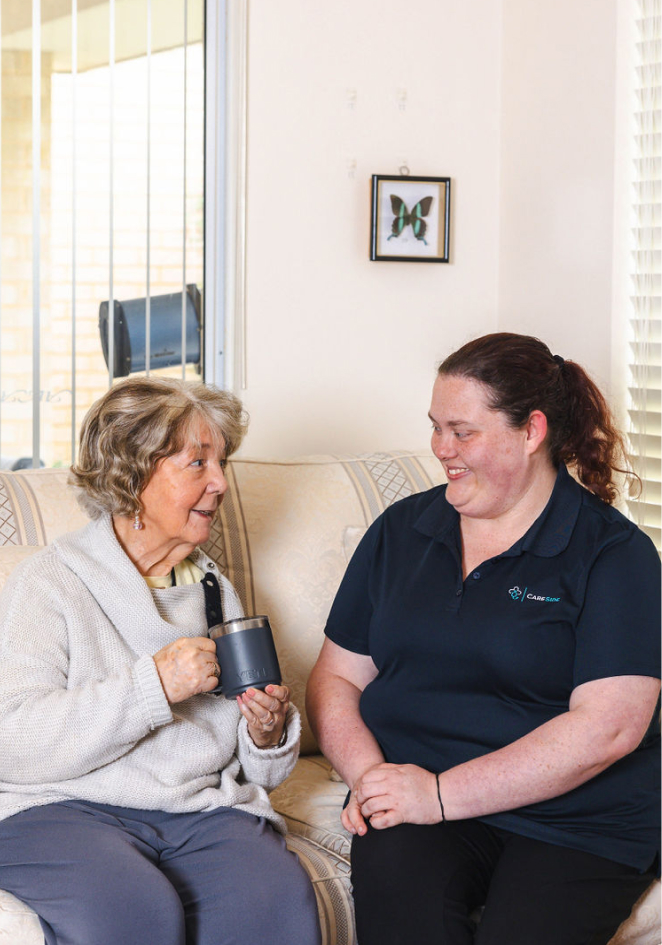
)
(281, 741)
(441, 803)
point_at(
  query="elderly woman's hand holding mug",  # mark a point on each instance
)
(187, 667)
(265, 713)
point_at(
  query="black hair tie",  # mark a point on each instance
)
(559, 360)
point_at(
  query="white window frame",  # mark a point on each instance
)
(226, 52)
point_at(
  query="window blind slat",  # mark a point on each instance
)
(646, 400)
(647, 420)
(650, 470)
(651, 511)
(648, 99)
(649, 445)
(653, 326)
(648, 8)
(646, 215)
(646, 283)
(647, 261)
(646, 349)
(646, 377)
(645, 342)
(647, 237)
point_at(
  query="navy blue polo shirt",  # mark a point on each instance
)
(468, 666)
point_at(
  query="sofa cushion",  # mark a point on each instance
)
(19, 925)
(11, 555)
(36, 506)
(310, 801)
(643, 925)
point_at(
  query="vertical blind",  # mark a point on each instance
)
(645, 362)
(101, 203)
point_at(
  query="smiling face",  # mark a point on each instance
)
(184, 492)
(491, 467)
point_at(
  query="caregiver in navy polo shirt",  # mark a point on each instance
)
(489, 683)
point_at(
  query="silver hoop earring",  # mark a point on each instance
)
(137, 524)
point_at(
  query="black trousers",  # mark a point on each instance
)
(423, 885)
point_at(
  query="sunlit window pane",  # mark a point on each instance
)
(120, 196)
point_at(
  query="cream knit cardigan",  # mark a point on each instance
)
(82, 710)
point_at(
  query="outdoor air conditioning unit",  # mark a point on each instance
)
(130, 332)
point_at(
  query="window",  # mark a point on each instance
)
(645, 382)
(101, 198)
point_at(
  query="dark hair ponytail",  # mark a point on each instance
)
(522, 375)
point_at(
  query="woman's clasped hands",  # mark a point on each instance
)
(388, 794)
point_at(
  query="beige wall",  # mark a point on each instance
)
(341, 350)
(557, 175)
(511, 99)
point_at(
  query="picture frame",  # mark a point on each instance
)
(410, 218)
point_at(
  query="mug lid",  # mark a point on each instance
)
(237, 624)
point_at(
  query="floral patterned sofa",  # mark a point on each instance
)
(284, 536)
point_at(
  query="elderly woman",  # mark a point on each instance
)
(133, 802)
(489, 681)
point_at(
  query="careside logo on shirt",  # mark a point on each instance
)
(519, 595)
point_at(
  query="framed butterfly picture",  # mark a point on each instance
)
(410, 218)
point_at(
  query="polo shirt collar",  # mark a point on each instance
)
(548, 536)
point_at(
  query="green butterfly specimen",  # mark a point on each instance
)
(403, 218)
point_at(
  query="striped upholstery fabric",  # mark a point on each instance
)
(330, 878)
(20, 520)
(284, 535)
(36, 506)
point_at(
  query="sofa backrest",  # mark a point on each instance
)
(284, 535)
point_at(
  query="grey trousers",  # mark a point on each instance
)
(102, 875)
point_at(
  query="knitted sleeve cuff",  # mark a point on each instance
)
(269, 766)
(149, 686)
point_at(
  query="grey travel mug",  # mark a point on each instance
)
(246, 654)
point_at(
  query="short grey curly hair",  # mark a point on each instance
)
(138, 422)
